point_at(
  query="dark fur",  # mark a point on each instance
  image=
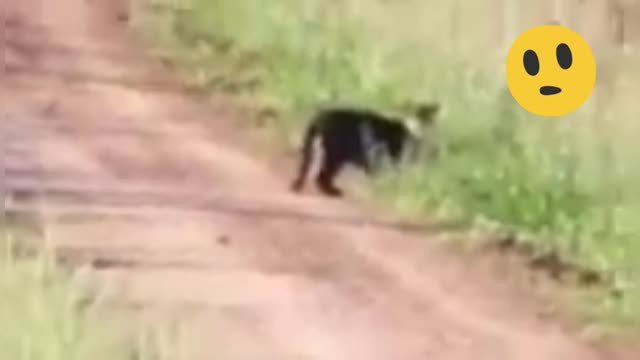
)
(359, 137)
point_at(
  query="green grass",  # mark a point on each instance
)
(567, 184)
(46, 314)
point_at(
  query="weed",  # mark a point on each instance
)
(48, 315)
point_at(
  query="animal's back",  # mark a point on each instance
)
(346, 125)
(345, 120)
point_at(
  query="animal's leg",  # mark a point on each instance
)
(369, 151)
(375, 159)
(326, 177)
(370, 165)
(307, 158)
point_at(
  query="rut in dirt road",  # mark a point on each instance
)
(141, 182)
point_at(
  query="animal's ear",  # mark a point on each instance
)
(426, 112)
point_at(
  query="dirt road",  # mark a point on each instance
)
(133, 174)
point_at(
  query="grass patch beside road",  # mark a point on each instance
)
(46, 314)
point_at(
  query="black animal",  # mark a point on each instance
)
(362, 138)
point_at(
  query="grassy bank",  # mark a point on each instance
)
(47, 315)
(566, 185)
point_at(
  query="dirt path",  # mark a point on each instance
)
(128, 175)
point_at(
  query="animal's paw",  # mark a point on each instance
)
(296, 186)
(331, 191)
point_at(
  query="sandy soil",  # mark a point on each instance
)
(139, 178)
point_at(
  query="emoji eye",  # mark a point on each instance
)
(563, 54)
(531, 63)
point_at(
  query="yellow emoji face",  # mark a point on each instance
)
(551, 70)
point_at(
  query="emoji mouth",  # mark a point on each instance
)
(550, 90)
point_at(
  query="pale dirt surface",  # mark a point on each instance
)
(135, 175)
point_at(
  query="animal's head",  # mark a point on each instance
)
(422, 118)
(426, 113)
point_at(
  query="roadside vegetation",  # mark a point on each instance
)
(48, 314)
(567, 187)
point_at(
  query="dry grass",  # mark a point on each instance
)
(48, 314)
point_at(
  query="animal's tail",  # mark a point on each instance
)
(307, 153)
